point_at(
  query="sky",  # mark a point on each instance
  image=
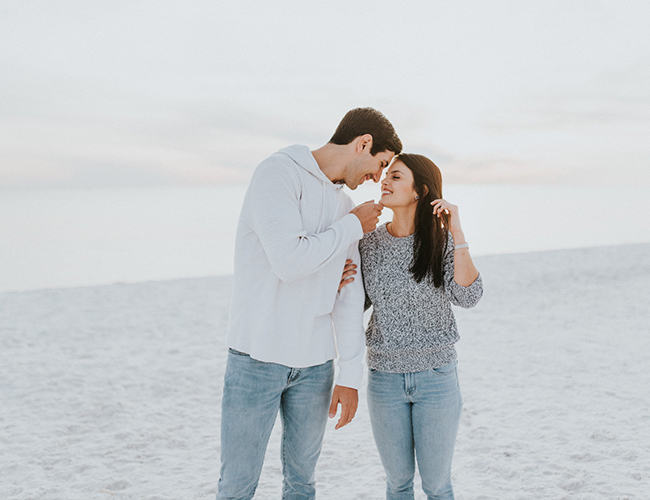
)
(120, 94)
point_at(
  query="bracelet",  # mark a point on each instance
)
(462, 245)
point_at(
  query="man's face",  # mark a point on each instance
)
(366, 167)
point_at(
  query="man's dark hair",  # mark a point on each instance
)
(361, 121)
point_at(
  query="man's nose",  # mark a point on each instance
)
(376, 176)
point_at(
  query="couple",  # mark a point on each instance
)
(297, 305)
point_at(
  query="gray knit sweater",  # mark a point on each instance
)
(412, 327)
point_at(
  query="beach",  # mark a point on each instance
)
(113, 392)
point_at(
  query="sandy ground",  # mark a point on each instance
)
(113, 392)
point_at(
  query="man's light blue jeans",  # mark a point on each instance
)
(253, 393)
(416, 415)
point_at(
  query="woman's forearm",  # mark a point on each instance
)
(465, 271)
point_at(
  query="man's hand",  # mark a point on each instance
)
(349, 400)
(368, 213)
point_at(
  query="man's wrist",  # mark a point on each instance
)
(345, 387)
(358, 226)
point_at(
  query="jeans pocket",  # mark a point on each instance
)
(237, 353)
(444, 370)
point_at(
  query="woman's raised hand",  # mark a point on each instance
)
(449, 212)
(465, 272)
(348, 273)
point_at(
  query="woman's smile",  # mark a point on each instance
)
(397, 187)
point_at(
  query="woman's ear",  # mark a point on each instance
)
(426, 190)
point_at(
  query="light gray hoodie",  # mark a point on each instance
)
(294, 234)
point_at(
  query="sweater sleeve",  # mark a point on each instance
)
(347, 317)
(273, 212)
(461, 296)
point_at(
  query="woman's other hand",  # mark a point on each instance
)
(348, 273)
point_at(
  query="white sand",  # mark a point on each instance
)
(113, 392)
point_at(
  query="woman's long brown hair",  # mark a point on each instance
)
(431, 232)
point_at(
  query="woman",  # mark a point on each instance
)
(414, 268)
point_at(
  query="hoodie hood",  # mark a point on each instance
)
(302, 156)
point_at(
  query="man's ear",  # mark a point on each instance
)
(364, 143)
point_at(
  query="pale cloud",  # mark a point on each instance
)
(499, 170)
(614, 97)
(155, 92)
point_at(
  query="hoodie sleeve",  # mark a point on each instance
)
(347, 317)
(272, 209)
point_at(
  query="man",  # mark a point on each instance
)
(287, 319)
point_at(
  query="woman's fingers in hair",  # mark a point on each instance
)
(448, 213)
(441, 206)
(438, 207)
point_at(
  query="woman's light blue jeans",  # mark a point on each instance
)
(253, 393)
(416, 415)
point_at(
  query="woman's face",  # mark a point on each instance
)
(397, 187)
